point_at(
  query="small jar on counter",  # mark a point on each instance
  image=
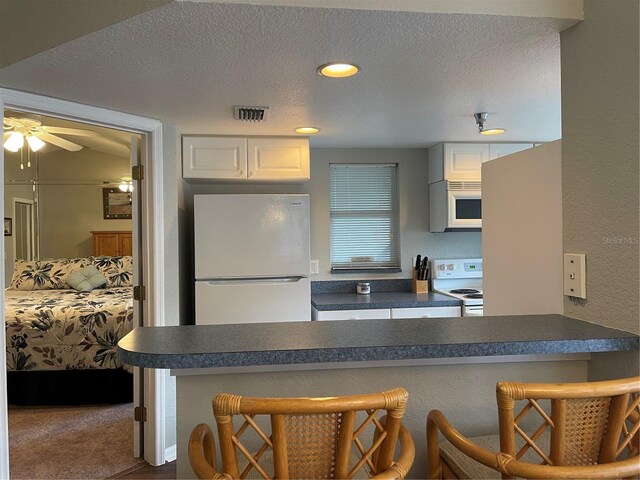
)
(363, 288)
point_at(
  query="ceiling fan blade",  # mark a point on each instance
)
(70, 131)
(60, 142)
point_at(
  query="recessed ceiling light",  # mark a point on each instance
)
(307, 130)
(338, 70)
(480, 119)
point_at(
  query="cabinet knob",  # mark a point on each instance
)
(251, 173)
(241, 174)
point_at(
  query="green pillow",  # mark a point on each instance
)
(86, 279)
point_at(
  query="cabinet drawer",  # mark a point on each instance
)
(425, 312)
(371, 314)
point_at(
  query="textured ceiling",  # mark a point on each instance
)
(423, 75)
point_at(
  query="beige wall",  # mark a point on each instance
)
(600, 159)
(44, 24)
(464, 393)
(68, 213)
(68, 196)
(522, 237)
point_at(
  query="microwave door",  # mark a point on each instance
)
(465, 209)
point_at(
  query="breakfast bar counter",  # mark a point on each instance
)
(263, 344)
(451, 364)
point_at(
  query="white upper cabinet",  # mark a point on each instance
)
(463, 161)
(497, 150)
(242, 159)
(457, 161)
(214, 157)
(278, 158)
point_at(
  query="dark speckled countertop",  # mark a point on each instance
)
(203, 346)
(354, 301)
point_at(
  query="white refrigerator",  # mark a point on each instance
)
(251, 258)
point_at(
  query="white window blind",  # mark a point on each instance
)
(364, 216)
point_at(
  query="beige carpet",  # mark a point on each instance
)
(89, 442)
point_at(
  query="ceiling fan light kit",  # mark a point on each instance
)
(35, 143)
(14, 142)
(30, 127)
(481, 118)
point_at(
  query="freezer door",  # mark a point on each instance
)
(253, 301)
(240, 236)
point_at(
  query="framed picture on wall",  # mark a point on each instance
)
(8, 227)
(116, 204)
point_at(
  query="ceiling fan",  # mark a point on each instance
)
(22, 126)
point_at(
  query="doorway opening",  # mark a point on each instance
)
(78, 220)
(152, 213)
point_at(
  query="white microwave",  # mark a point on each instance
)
(455, 205)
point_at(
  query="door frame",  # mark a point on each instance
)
(152, 221)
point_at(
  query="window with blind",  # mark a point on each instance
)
(364, 217)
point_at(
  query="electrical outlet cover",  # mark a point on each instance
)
(315, 267)
(575, 275)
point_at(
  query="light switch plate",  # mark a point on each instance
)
(575, 275)
(315, 267)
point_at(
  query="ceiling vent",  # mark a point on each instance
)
(251, 114)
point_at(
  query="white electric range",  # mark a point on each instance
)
(460, 278)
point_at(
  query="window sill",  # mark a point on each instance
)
(338, 271)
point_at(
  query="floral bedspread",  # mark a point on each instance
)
(66, 329)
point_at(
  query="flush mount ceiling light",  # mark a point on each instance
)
(337, 70)
(480, 119)
(306, 130)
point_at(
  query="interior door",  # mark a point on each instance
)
(138, 400)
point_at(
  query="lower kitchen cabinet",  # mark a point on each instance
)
(425, 312)
(370, 313)
(385, 313)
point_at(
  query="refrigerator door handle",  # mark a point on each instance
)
(254, 280)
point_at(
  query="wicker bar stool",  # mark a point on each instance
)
(305, 438)
(574, 430)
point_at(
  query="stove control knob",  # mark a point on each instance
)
(442, 267)
(450, 266)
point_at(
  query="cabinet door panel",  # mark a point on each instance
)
(126, 244)
(371, 314)
(105, 244)
(278, 158)
(214, 157)
(425, 312)
(463, 161)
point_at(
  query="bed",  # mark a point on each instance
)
(62, 342)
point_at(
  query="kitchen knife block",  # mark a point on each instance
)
(419, 286)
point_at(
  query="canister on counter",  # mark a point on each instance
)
(363, 288)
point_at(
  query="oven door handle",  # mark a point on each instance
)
(473, 311)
